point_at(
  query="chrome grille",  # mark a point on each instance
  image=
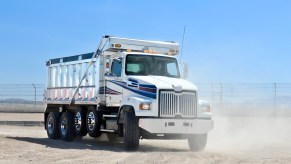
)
(172, 104)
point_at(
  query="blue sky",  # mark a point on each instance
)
(225, 41)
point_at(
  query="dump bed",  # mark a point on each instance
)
(64, 76)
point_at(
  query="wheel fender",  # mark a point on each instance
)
(122, 110)
(135, 101)
(132, 103)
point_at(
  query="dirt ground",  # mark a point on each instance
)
(233, 140)
(21, 116)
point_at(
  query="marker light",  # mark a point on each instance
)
(150, 51)
(117, 45)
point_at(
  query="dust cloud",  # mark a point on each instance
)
(251, 132)
(240, 135)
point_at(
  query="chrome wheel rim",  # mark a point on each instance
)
(91, 121)
(64, 126)
(50, 125)
(78, 121)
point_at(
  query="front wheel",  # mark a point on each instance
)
(197, 142)
(131, 131)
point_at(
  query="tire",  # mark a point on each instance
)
(197, 142)
(66, 127)
(93, 122)
(52, 125)
(80, 122)
(130, 131)
(120, 130)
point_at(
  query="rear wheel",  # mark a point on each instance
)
(52, 125)
(197, 142)
(66, 127)
(93, 122)
(80, 122)
(131, 131)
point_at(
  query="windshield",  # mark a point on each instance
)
(144, 65)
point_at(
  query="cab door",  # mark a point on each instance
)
(113, 91)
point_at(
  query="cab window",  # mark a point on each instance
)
(116, 67)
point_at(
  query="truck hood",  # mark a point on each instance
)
(162, 82)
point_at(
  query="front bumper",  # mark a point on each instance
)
(176, 126)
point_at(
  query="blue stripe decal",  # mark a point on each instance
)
(133, 80)
(148, 86)
(140, 92)
(132, 85)
(107, 90)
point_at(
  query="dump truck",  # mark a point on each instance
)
(129, 87)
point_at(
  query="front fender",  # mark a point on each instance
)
(135, 101)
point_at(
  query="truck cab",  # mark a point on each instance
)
(139, 94)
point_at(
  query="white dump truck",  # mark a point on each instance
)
(132, 88)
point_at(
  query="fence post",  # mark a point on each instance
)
(34, 94)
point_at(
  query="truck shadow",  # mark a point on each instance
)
(92, 144)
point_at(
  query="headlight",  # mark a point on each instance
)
(144, 106)
(206, 108)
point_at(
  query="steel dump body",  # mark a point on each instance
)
(64, 76)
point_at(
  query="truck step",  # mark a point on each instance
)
(108, 130)
(111, 116)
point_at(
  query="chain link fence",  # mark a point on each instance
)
(276, 95)
(248, 98)
(222, 96)
(21, 97)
